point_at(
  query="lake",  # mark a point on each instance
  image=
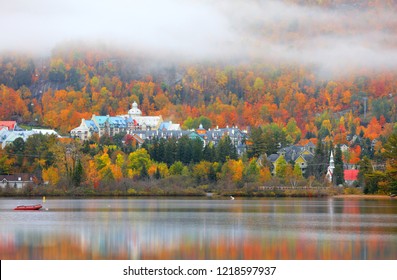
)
(279, 229)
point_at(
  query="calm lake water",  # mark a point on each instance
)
(200, 229)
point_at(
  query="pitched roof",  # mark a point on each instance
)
(16, 177)
(117, 122)
(351, 174)
(291, 153)
(91, 125)
(9, 124)
(273, 157)
(100, 119)
(307, 157)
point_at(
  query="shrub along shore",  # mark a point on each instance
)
(182, 186)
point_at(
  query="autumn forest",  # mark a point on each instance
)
(285, 101)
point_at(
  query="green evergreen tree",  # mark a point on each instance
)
(365, 169)
(184, 150)
(157, 175)
(391, 155)
(225, 150)
(78, 173)
(274, 138)
(170, 151)
(317, 167)
(209, 153)
(143, 174)
(153, 149)
(212, 174)
(257, 146)
(197, 150)
(339, 177)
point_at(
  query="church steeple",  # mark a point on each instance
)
(331, 167)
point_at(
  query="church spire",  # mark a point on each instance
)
(331, 167)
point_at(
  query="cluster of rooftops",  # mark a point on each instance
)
(10, 131)
(153, 127)
(150, 127)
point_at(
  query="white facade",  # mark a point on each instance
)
(17, 181)
(83, 132)
(331, 167)
(134, 111)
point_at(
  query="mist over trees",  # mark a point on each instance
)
(292, 72)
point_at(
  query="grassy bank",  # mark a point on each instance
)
(171, 188)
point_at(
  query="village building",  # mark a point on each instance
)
(213, 136)
(17, 181)
(85, 131)
(138, 121)
(10, 136)
(351, 176)
(112, 125)
(143, 128)
(165, 126)
(9, 132)
(330, 169)
(10, 125)
(300, 155)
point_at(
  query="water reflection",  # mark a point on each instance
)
(201, 229)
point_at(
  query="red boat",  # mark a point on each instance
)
(28, 207)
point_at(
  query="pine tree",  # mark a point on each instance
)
(257, 145)
(338, 177)
(225, 150)
(365, 170)
(391, 155)
(77, 174)
(170, 151)
(143, 174)
(212, 174)
(157, 175)
(209, 153)
(318, 165)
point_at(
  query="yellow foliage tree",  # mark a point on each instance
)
(51, 175)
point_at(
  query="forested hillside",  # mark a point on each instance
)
(315, 70)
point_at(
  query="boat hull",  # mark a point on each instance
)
(28, 207)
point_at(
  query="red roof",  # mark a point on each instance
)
(351, 175)
(10, 124)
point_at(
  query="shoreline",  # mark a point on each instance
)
(221, 197)
(360, 196)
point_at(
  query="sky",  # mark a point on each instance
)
(261, 30)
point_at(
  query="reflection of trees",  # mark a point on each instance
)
(129, 246)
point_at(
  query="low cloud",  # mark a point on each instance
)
(332, 39)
